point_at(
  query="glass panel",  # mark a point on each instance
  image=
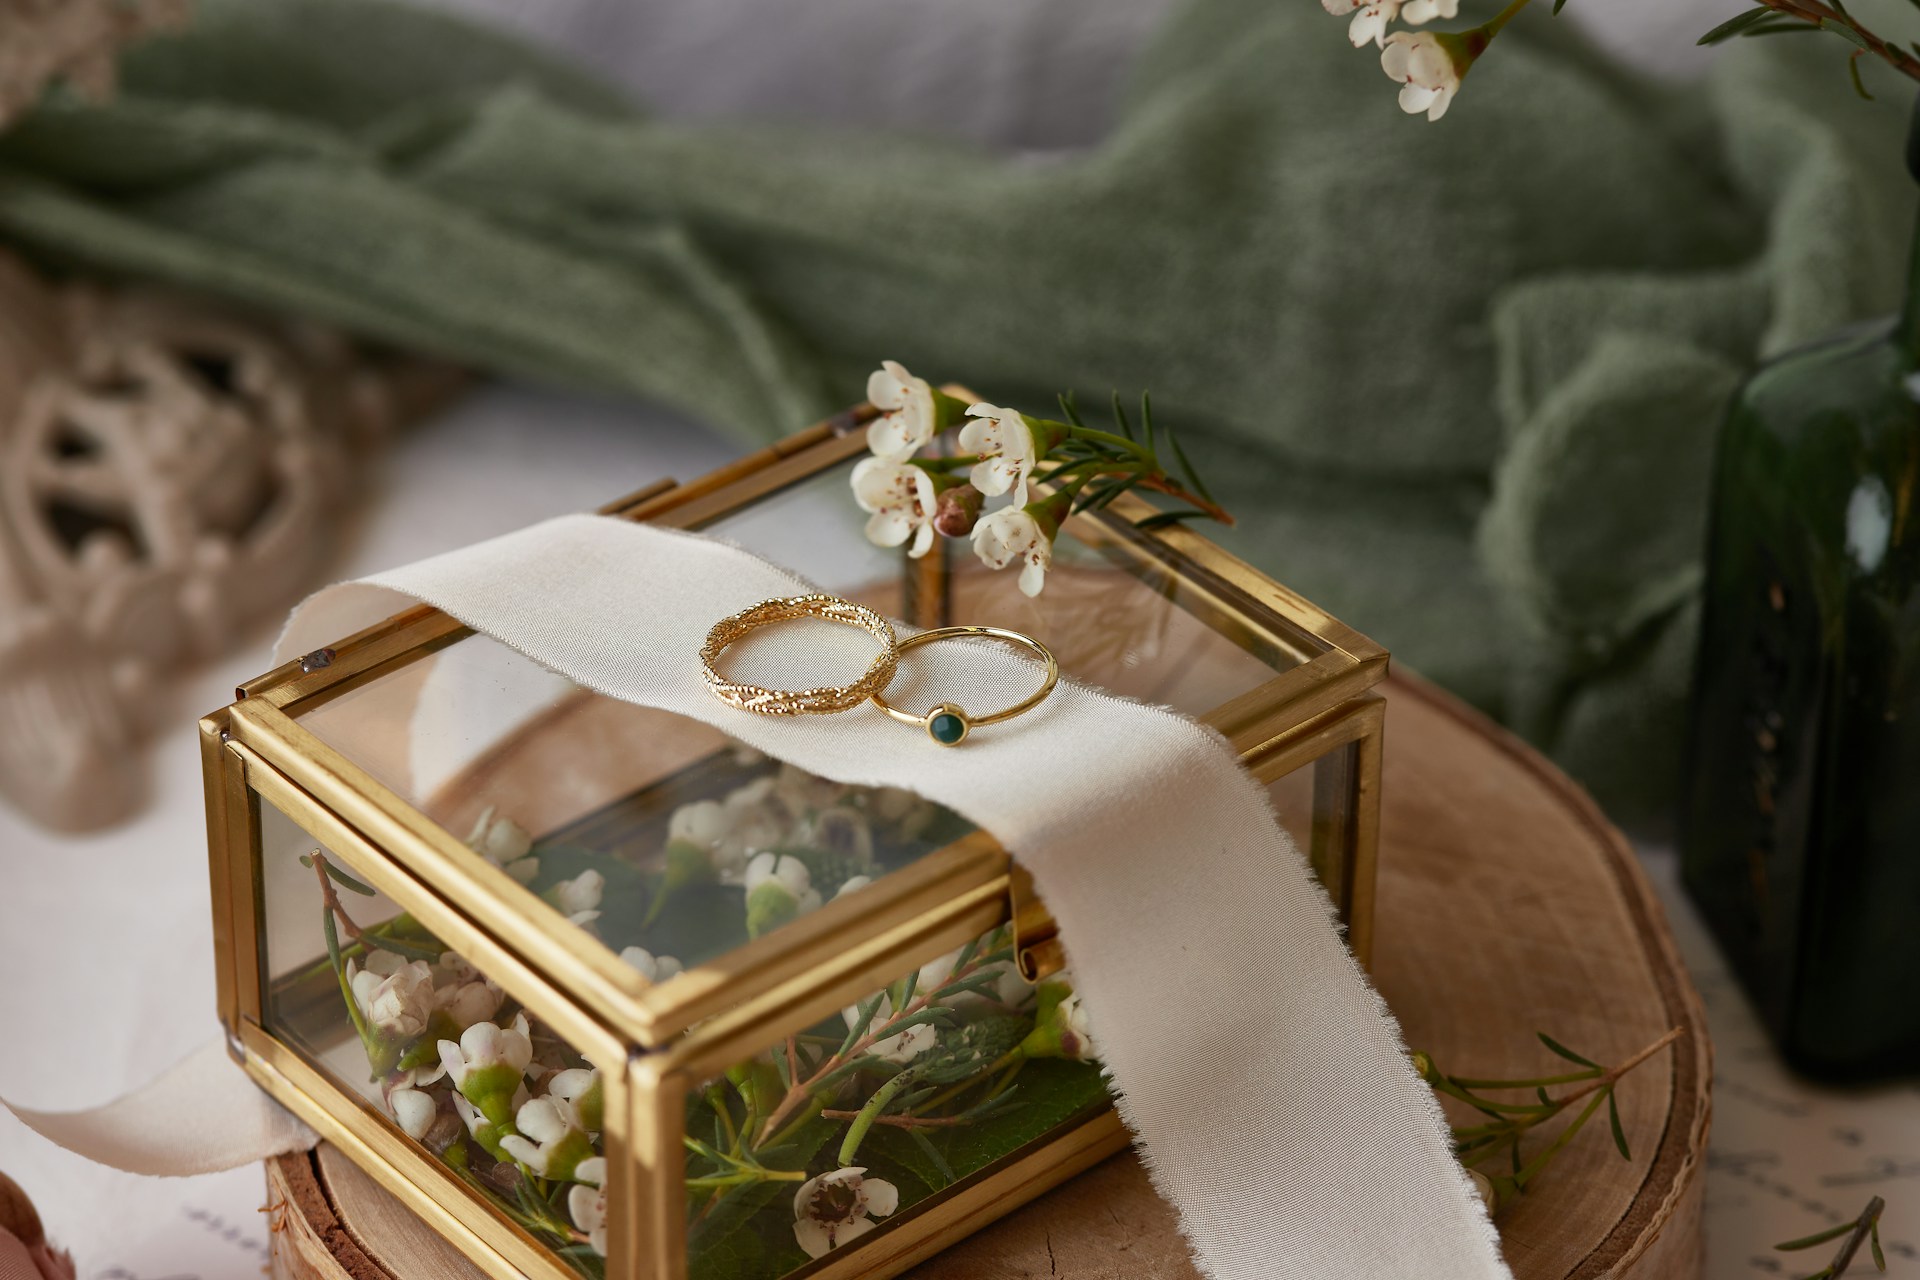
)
(858, 1123)
(642, 825)
(429, 1044)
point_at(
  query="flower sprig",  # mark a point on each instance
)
(1865, 1228)
(1509, 1124)
(1430, 65)
(911, 497)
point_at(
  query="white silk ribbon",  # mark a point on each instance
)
(1265, 1081)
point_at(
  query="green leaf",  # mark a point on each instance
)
(428, 951)
(1847, 33)
(1565, 1052)
(1146, 421)
(699, 921)
(338, 876)
(1112, 491)
(1558, 5)
(1613, 1120)
(1784, 27)
(1734, 26)
(1120, 417)
(1818, 1237)
(859, 1028)
(1068, 408)
(1873, 1238)
(1053, 1091)
(965, 1053)
(750, 1230)
(1853, 70)
(1187, 468)
(1162, 519)
(939, 1162)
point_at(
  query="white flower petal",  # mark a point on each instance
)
(1415, 99)
(525, 1152)
(413, 1111)
(542, 1120)
(889, 528)
(1033, 578)
(814, 1237)
(881, 1196)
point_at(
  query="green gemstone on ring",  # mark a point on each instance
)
(947, 725)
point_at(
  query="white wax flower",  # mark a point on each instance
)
(853, 885)
(504, 842)
(902, 1047)
(485, 1130)
(488, 1063)
(901, 499)
(1013, 534)
(588, 1205)
(1003, 442)
(1009, 988)
(552, 1141)
(464, 993)
(414, 1111)
(757, 819)
(396, 996)
(908, 417)
(779, 888)
(1077, 1028)
(1421, 12)
(470, 1002)
(786, 871)
(702, 823)
(576, 1087)
(653, 968)
(843, 831)
(803, 793)
(1425, 69)
(579, 898)
(840, 1206)
(1370, 22)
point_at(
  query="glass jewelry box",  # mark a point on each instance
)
(596, 991)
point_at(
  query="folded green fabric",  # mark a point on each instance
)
(1460, 380)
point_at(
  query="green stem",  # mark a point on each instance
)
(857, 1131)
(1565, 1136)
(746, 1176)
(1536, 1082)
(1492, 26)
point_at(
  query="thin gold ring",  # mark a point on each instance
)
(947, 723)
(799, 702)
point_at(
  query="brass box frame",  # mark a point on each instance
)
(255, 749)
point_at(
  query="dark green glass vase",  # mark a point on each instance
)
(1800, 827)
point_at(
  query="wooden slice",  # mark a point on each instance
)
(1507, 905)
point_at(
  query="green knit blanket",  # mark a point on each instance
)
(1461, 381)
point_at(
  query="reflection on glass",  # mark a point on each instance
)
(373, 998)
(727, 850)
(849, 1124)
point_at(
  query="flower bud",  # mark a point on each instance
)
(1060, 1028)
(958, 510)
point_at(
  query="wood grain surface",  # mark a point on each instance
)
(1506, 905)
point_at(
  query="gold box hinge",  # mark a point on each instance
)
(1037, 952)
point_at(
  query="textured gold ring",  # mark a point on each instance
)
(799, 702)
(946, 723)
